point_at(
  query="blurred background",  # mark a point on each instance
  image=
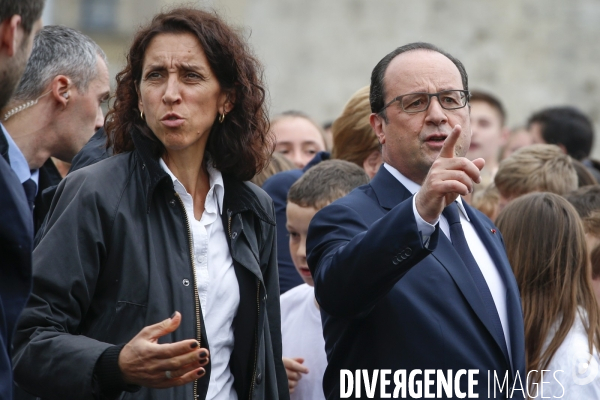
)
(317, 53)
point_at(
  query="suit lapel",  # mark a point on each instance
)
(388, 190)
(451, 261)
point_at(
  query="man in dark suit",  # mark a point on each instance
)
(56, 108)
(19, 21)
(410, 306)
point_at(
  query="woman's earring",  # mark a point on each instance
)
(142, 115)
(221, 118)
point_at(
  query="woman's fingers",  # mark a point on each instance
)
(193, 359)
(178, 378)
(153, 332)
(146, 363)
(173, 350)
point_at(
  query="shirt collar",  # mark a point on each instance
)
(413, 187)
(215, 179)
(18, 163)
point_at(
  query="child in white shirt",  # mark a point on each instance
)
(302, 334)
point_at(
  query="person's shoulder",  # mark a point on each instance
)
(282, 181)
(97, 190)
(359, 200)
(98, 182)
(94, 150)
(7, 176)
(577, 337)
(569, 364)
(574, 343)
(14, 210)
(360, 195)
(246, 195)
(317, 159)
(264, 200)
(110, 169)
(291, 299)
(298, 292)
(260, 194)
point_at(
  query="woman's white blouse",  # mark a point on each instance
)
(218, 287)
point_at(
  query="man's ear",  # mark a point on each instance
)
(11, 36)
(377, 122)
(61, 89)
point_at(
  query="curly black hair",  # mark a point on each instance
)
(240, 146)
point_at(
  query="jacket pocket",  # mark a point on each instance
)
(129, 318)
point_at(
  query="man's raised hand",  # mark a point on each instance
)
(448, 177)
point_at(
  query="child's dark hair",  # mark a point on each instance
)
(326, 182)
(586, 200)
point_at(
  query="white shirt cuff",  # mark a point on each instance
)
(425, 228)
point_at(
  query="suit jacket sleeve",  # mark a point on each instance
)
(355, 263)
(16, 232)
(50, 357)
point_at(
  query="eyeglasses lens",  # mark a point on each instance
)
(450, 100)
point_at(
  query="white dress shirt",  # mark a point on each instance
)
(218, 288)
(480, 253)
(302, 336)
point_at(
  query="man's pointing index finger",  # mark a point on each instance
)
(448, 149)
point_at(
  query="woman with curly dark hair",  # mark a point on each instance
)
(166, 227)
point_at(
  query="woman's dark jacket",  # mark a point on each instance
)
(115, 256)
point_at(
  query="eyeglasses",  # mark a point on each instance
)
(417, 102)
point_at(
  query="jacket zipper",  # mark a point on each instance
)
(229, 213)
(196, 296)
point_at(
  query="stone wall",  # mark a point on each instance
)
(531, 53)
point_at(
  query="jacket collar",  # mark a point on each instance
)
(413, 188)
(152, 174)
(238, 196)
(389, 191)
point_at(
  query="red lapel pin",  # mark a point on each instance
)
(493, 231)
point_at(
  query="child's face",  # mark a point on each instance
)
(298, 219)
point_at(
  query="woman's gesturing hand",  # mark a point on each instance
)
(144, 362)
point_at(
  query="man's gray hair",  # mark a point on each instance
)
(58, 50)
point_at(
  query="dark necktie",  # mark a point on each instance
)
(30, 188)
(459, 242)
